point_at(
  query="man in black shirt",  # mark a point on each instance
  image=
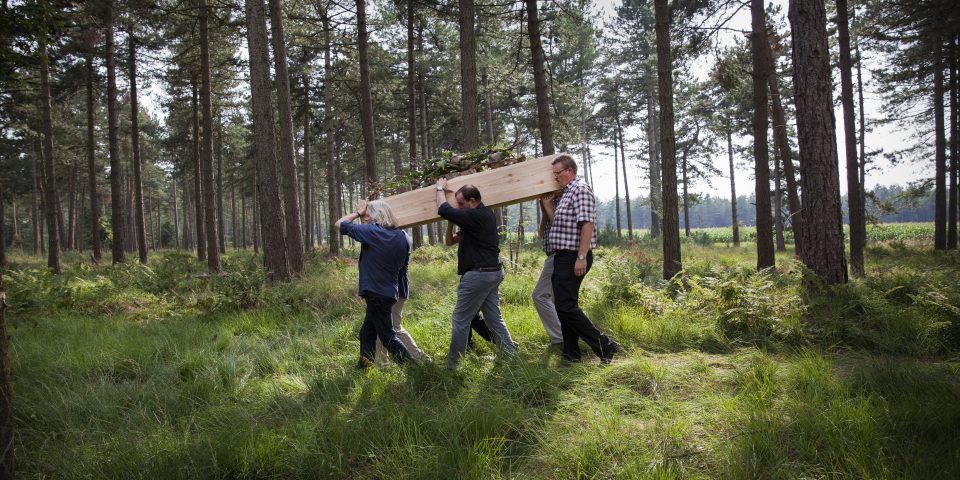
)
(479, 267)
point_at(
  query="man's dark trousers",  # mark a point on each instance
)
(574, 324)
(378, 323)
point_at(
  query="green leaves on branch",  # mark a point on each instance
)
(448, 164)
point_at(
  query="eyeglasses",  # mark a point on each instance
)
(557, 174)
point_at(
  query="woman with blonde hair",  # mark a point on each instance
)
(384, 260)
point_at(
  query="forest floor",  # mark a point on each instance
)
(165, 371)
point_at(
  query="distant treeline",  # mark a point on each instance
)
(894, 204)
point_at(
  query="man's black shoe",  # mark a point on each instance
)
(609, 352)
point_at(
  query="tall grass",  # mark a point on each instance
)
(166, 371)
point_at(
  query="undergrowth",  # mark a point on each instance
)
(167, 371)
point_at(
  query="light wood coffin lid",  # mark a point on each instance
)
(498, 187)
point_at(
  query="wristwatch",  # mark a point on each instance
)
(581, 257)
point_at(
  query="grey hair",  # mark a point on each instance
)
(381, 214)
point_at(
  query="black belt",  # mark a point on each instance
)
(487, 269)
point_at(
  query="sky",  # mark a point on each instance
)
(888, 138)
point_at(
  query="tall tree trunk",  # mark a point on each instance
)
(35, 206)
(954, 153)
(268, 186)
(39, 181)
(765, 254)
(233, 214)
(540, 79)
(822, 248)
(210, 192)
(468, 77)
(92, 165)
(243, 220)
(940, 192)
(71, 243)
(862, 168)
(176, 217)
(623, 160)
(139, 217)
(221, 228)
(778, 204)
(129, 224)
(333, 198)
(187, 220)
(53, 234)
(366, 101)
(855, 204)
(672, 263)
(686, 194)
(656, 203)
(255, 221)
(733, 191)
(412, 109)
(783, 146)
(290, 180)
(616, 183)
(308, 214)
(198, 190)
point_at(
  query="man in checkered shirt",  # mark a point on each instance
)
(572, 236)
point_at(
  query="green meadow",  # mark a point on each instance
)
(166, 371)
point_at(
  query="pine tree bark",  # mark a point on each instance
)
(822, 248)
(92, 170)
(468, 76)
(855, 205)
(71, 239)
(268, 187)
(540, 79)
(733, 191)
(139, 218)
(176, 216)
(623, 161)
(333, 198)
(782, 144)
(289, 178)
(206, 146)
(656, 188)
(198, 190)
(366, 100)
(758, 39)
(686, 194)
(412, 109)
(35, 206)
(308, 213)
(221, 228)
(116, 187)
(53, 234)
(778, 204)
(940, 171)
(616, 184)
(672, 263)
(233, 215)
(954, 153)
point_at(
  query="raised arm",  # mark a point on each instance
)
(350, 217)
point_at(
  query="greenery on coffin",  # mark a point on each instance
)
(449, 164)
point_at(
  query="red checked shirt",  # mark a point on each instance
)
(575, 206)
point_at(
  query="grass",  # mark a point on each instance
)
(167, 372)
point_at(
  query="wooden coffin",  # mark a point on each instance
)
(507, 185)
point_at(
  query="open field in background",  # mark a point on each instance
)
(168, 372)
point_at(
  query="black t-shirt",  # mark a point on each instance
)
(479, 242)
